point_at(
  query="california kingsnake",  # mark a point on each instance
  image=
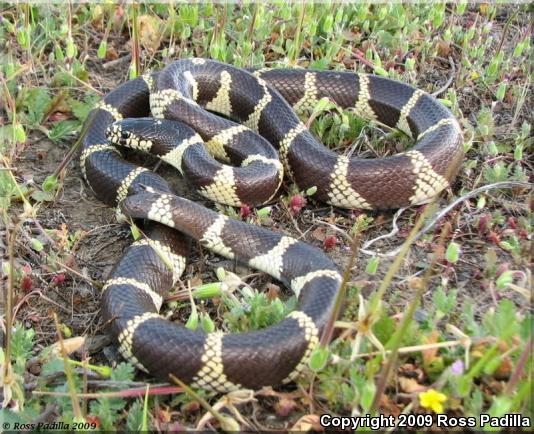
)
(262, 101)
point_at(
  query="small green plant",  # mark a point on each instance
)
(254, 310)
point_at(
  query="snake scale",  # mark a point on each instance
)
(257, 139)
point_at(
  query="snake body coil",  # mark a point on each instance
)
(262, 102)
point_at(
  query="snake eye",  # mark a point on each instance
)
(125, 134)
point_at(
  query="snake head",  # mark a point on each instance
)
(136, 206)
(132, 131)
(147, 133)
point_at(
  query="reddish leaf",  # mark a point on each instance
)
(296, 203)
(244, 211)
(330, 242)
(26, 283)
(58, 279)
(285, 406)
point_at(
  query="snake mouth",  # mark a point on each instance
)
(116, 135)
(140, 133)
(135, 206)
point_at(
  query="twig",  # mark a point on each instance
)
(115, 383)
(92, 282)
(341, 232)
(505, 30)
(135, 40)
(520, 368)
(185, 388)
(405, 410)
(83, 83)
(395, 340)
(112, 63)
(289, 213)
(449, 81)
(8, 297)
(351, 52)
(76, 409)
(74, 148)
(58, 99)
(49, 410)
(163, 390)
(447, 209)
(297, 46)
(44, 297)
(392, 233)
(340, 298)
(404, 248)
(521, 102)
(413, 349)
(250, 31)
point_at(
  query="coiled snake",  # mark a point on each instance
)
(263, 102)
